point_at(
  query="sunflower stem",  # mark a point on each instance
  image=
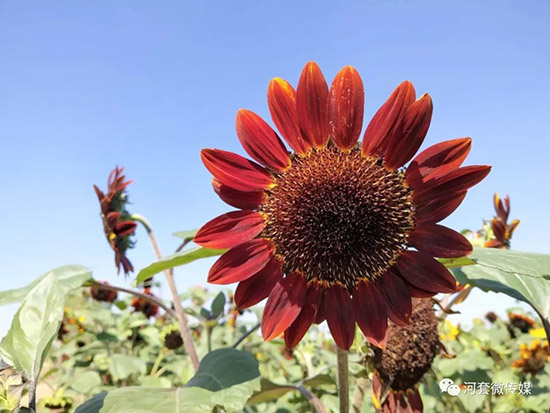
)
(343, 379)
(245, 335)
(185, 332)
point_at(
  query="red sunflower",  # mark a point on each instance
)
(117, 224)
(337, 230)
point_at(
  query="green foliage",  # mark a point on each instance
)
(523, 276)
(34, 327)
(175, 260)
(69, 277)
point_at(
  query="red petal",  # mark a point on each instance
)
(321, 309)
(410, 133)
(438, 159)
(260, 141)
(241, 262)
(425, 272)
(398, 298)
(456, 181)
(229, 230)
(371, 313)
(499, 230)
(383, 124)
(439, 209)
(112, 219)
(345, 110)
(312, 105)
(299, 327)
(439, 241)
(281, 98)
(236, 198)
(125, 228)
(400, 403)
(235, 171)
(418, 292)
(256, 288)
(283, 305)
(415, 401)
(340, 316)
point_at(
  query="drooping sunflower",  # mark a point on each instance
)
(409, 354)
(336, 230)
(117, 224)
(502, 231)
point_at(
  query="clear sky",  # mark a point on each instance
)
(85, 86)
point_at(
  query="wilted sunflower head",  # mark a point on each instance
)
(409, 353)
(117, 223)
(336, 229)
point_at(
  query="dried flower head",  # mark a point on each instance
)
(409, 354)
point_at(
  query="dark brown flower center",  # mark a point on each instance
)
(410, 350)
(337, 216)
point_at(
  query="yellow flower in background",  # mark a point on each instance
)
(537, 332)
(451, 331)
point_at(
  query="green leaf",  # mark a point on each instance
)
(523, 276)
(186, 235)
(175, 260)
(218, 305)
(69, 277)
(226, 377)
(123, 366)
(87, 382)
(34, 327)
(456, 262)
(224, 368)
(269, 391)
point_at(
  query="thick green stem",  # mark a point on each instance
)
(343, 379)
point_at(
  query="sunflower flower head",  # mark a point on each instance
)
(409, 353)
(118, 226)
(103, 294)
(336, 229)
(533, 357)
(502, 230)
(521, 322)
(148, 308)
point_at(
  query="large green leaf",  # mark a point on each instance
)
(521, 275)
(175, 260)
(69, 277)
(224, 368)
(123, 366)
(226, 377)
(34, 327)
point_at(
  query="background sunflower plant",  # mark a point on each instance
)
(331, 229)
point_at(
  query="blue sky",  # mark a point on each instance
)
(85, 86)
